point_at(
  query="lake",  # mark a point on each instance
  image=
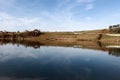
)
(20, 62)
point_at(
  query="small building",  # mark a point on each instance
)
(114, 26)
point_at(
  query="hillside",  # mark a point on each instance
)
(105, 35)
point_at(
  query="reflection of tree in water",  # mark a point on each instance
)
(36, 44)
(114, 51)
(27, 43)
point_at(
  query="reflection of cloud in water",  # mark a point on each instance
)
(10, 51)
(55, 63)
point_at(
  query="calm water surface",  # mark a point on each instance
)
(57, 63)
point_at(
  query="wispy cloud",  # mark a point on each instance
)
(88, 18)
(7, 21)
(89, 7)
(7, 3)
(63, 19)
(89, 4)
(65, 22)
(85, 1)
(7, 55)
(59, 15)
(116, 14)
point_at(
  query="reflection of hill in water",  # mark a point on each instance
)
(114, 51)
(21, 42)
(76, 44)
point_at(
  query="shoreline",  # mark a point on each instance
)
(94, 35)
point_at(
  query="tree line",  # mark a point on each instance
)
(18, 34)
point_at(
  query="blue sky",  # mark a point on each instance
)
(58, 15)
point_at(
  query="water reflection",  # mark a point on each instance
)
(27, 43)
(114, 51)
(78, 44)
(28, 60)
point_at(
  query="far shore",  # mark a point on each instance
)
(110, 35)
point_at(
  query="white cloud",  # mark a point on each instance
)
(116, 15)
(89, 7)
(80, 1)
(8, 22)
(88, 18)
(85, 1)
(66, 22)
(90, 0)
(89, 4)
(7, 3)
(14, 52)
